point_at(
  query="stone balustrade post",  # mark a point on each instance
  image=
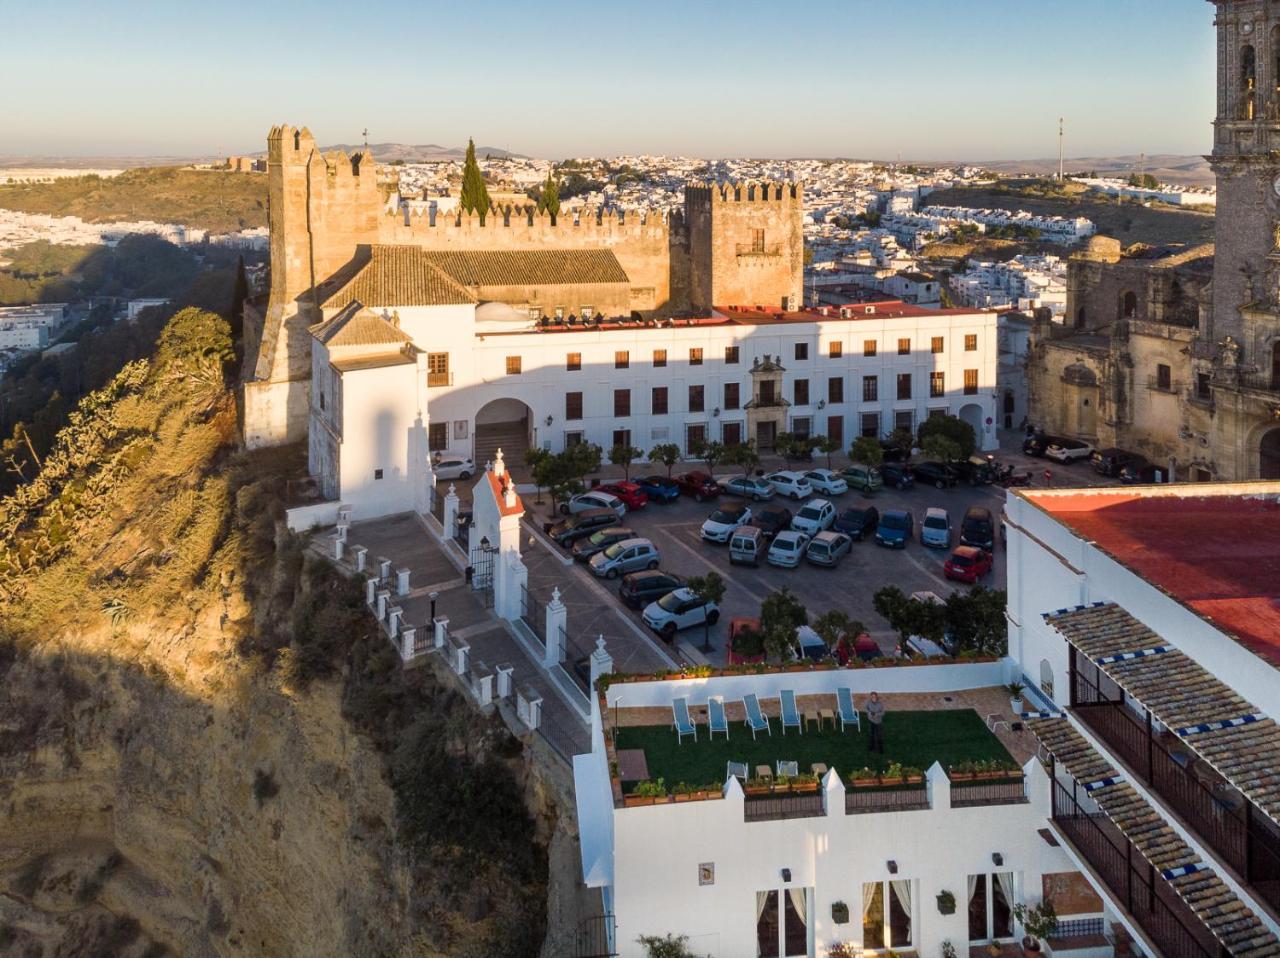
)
(450, 512)
(504, 671)
(832, 793)
(370, 591)
(344, 513)
(361, 554)
(338, 544)
(441, 627)
(557, 620)
(408, 638)
(938, 787)
(402, 582)
(343, 528)
(601, 661)
(394, 614)
(380, 604)
(384, 570)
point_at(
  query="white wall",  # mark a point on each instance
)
(382, 423)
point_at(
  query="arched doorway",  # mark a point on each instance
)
(972, 414)
(1010, 407)
(1269, 455)
(505, 424)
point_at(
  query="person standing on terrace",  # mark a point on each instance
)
(875, 714)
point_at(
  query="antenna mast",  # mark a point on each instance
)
(1061, 162)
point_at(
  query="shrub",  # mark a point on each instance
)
(265, 786)
(666, 946)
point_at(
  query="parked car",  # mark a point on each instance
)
(1068, 450)
(937, 474)
(638, 589)
(814, 517)
(827, 482)
(629, 492)
(787, 548)
(1145, 473)
(978, 529)
(600, 540)
(771, 520)
(593, 500)
(661, 489)
(928, 648)
(857, 523)
(895, 528)
(788, 483)
(629, 555)
(810, 646)
(678, 610)
(744, 639)
(967, 564)
(749, 487)
(721, 523)
(866, 479)
(453, 467)
(699, 485)
(975, 470)
(935, 531)
(828, 548)
(891, 452)
(1109, 462)
(579, 526)
(747, 545)
(1038, 443)
(897, 474)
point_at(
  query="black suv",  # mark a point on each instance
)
(1109, 462)
(771, 520)
(572, 528)
(935, 474)
(638, 589)
(978, 529)
(897, 475)
(857, 522)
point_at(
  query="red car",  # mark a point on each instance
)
(967, 564)
(700, 485)
(631, 495)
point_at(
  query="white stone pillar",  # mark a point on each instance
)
(344, 513)
(601, 661)
(556, 625)
(529, 707)
(342, 530)
(511, 578)
(937, 787)
(461, 657)
(482, 684)
(832, 793)
(338, 544)
(504, 671)
(394, 615)
(408, 638)
(402, 582)
(380, 604)
(450, 512)
(441, 626)
(370, 591)
(361, 554)
(384, 570)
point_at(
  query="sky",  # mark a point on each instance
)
(926, 79)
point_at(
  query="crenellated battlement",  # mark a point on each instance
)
(747, 191)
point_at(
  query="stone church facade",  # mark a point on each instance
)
(1175, 353)
(731, 245)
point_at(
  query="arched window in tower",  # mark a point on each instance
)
(1129, 306)
(1080, 318)
(1248, 82)
(1275, 365)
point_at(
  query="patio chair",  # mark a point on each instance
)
(736, 770)
(790, 769)
(716, 719)
(848, 714)
(755, 718)
(765, 773)
(790, 714)
(684, 724)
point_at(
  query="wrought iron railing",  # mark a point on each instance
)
(972, 794)
(777, 808)
(868, 800)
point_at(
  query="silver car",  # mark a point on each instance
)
(828, 548)
(453, 468)
(629, 555)
(787, 548)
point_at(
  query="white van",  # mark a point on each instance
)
(747, 545)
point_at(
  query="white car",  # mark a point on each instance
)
(788, 483)
(787, 549)
(454, 467)
(827, 482)
(678, 610)
(816, 516)
(593, 500)
(720, 525)
(1068, 450)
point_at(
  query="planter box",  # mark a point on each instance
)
(865, 783)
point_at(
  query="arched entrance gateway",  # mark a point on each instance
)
(1269, 455)
(972, 414)
(505, 424)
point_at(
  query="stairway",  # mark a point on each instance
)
(511, 437)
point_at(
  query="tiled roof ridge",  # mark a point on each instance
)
(356, 325)
(400, 275)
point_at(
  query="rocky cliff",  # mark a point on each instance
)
(204, 748)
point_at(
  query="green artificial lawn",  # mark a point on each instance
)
(913, 739)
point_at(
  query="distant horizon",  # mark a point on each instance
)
(937, 81)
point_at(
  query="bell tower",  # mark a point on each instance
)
(1246, 162)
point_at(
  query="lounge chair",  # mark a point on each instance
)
(716, 719)
(790, 769)
(736, 770)
(848, 714)
(790, 714)
(684, 724)
(755, 718)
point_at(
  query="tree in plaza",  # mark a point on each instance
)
(562, 472)
(867, 451)
(827, 446)
(834, 625)
(475, 195)
(582, 458)
(743, 454)
(709, 452)
(707, 588)
(902, 439)
(549, 196)
(976, 621)
(624, 454)
(536, 458)
(781, 613)
(941, 449)
(908, 616)
(667, 453)
(955, 430)
(787, 445)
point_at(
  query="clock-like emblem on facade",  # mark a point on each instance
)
(1246, 28)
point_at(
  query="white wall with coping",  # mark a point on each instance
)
(951, 677)
(318, 515)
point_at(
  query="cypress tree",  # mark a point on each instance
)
(549, 198)
(475, 196)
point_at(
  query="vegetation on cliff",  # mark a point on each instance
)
(206, 199)
(182, 677)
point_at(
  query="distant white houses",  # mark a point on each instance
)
(1023, 282)
(932, 222)
(1170, 193)
(28, 328)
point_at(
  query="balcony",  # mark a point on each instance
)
(1267, 382)
(756, 249)
(1232, 827)
(765, 402)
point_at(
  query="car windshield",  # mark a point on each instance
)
(670, 602)
(785, 545)
(961, 560)
(599, 538)
(819, 547)
(810, 513)
(873, 473)
(894, 520)
(978, 527)
(854, 515)
(614, 550)
(725, 515)
(935, 522)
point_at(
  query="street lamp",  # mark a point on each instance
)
(433, 596)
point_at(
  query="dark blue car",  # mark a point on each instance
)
(659, 488)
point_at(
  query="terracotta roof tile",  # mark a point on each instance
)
(541, 267)
(400, 276)
(357, 326)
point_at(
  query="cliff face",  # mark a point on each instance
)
(198, 727)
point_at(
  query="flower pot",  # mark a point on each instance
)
(864, 782)
(946, 905)
(1015, 706)
(758, 790)
(1030, 948)
(804, 786)
(634, 800)
(914, 779)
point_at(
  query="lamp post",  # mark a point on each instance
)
(433, 596)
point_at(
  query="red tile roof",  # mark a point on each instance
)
(1217, 553)
(496, 485)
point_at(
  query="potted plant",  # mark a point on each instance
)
(948, 949)
(844, 949)
(804, 782)
(1015, 690)
(839, 913)
(759, 786)
(893, 775)
(946, 903)
(962, 772)
(647, 793)
(864, 777)
(1038, 922)
(913, 775)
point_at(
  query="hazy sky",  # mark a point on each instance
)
(931, 79)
